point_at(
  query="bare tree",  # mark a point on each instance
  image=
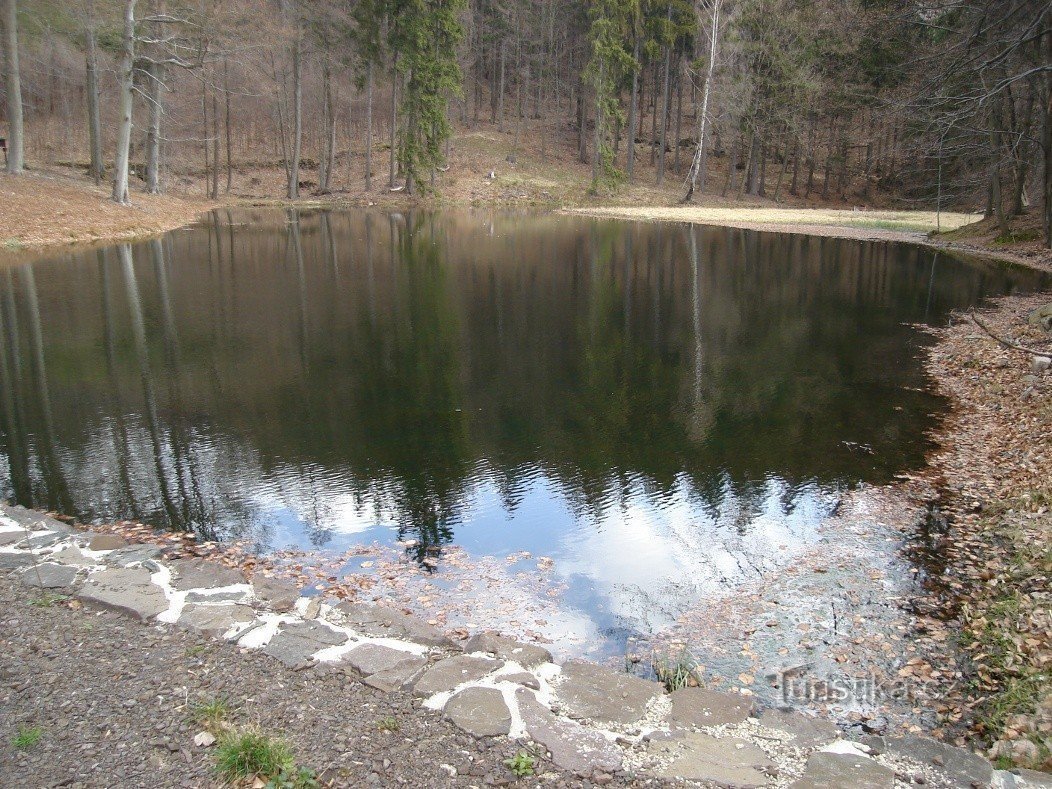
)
(703, 112)
(15, 129)
(126, 76)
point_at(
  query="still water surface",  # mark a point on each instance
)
(664, 411)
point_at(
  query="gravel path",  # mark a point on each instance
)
(114, 699)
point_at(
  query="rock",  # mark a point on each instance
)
(215, 620)
(701, 707)
(373, 658)
(207, 596)
(125, 589)
(526, 655)
(203, 739)
(133, 554)
(1041, 317)
(1039, 364)
(1031, 779)
(106, 542)
(35, 521)
(380, 620)
(202, 574)
(960, 766)
(41, 540)
(573, 747)
(16, 561)
(279, 595)
(50, 576)
(604, 695)
(400, 677)
(72, 555)
(8, 537)
(481, 712)
(838, 770)
(524, 678)
(452, 672)
(807, 730)
(295, 644)
(723, 760)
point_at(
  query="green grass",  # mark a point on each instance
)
(13, 244)
(27, 737)
(677, 672)
(389, 723)
(521, 764)
(212, 714)
(251, 753)
(46, 600)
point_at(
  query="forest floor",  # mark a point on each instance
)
(985, 550)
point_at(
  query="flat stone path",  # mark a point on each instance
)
(592, 721)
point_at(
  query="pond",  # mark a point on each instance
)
(650, 413)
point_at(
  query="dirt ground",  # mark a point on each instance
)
(47, 208)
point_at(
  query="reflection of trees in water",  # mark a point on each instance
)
(399, 368)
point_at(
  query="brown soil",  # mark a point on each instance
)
(987, 545)
(43, 208)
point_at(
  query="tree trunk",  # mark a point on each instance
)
(1046, 141)
(369, 127)
(15, 132)
(697, 165)
(153, 133)
(394, 121)
(229, 133)
(126, 74)
(215, 144)
(796, 168)
(500, 90)
(679, 113)
(329, 125)
(582, 122)
(633, 110)
(91, 58)
(665, 96)
(297, 114)
(732, 170)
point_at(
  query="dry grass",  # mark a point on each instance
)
(49, 208)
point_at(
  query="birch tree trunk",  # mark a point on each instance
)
(155, 77)
(15, 133)
(699, 154)
(91, 63)
(126, 74)
(297, 114)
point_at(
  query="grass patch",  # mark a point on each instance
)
(389, 723)
(14, 244)
(241, 755)
(521, 764)
(27, 737)
(1018, 236)
(212, 714)
(46, 600)
(677, 671)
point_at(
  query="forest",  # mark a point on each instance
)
(920, 103)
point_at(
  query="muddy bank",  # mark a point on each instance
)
(911, 227)
(986, 545)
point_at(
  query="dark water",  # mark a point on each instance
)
(661, 410)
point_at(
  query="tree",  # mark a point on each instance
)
(609, 64)
(15, 127)
(698, 162)
(125, 76)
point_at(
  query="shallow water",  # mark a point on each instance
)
(663, 411)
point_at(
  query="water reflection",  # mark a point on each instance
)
(663, 409)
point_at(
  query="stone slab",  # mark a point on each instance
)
(481, 712)
(839, 770)
(8, 537)
(807, 730)
(133, 554)
(702, 707)
(401, 677)
(16, 561)
(572, 746)
(721, 760)
(373, 658)
(524, 678)
(106, 542)
(203, 596)
(215, 620)
(41, 540)
(526, 655)
(295, 644)
(50, 575)
(72, 555)
(604, 695)
(279, 595)
(126, 589)
(202, 574)
(381, 620)
(35, 521)
(960, 766)
(452, 672)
